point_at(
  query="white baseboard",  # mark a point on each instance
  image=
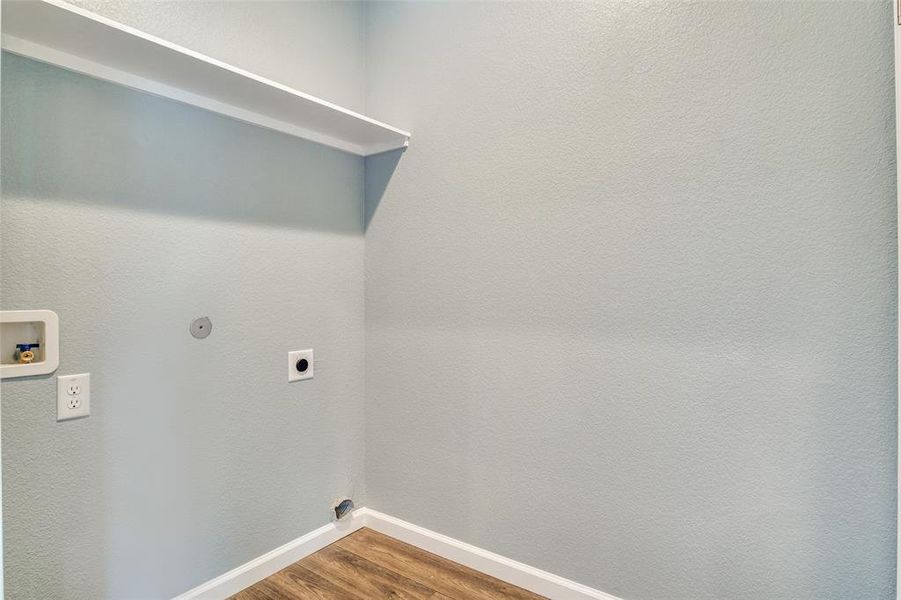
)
(273, 561)
(505, 569)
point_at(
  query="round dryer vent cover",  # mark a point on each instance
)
(201, 327)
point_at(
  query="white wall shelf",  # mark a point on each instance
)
(58, 33)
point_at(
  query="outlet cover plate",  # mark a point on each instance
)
(294, 374)
(73, 396)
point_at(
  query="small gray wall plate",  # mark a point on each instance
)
(201, 327)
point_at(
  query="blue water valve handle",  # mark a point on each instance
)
(25, 347)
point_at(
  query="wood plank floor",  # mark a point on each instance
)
(367, 565)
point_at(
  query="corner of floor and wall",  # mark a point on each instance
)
(624, 310)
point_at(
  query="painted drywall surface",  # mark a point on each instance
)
(316, 47)
(630, 293)
(2, 593)
(130, 215)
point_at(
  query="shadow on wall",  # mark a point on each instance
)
(150, 213)
(111, 146)
(378, 172)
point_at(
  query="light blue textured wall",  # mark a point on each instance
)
(630, 293)
(130, 215)
(630, 299)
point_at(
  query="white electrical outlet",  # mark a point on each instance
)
(73, 396)
(300, 365)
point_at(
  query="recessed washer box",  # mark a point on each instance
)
(39, 327)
